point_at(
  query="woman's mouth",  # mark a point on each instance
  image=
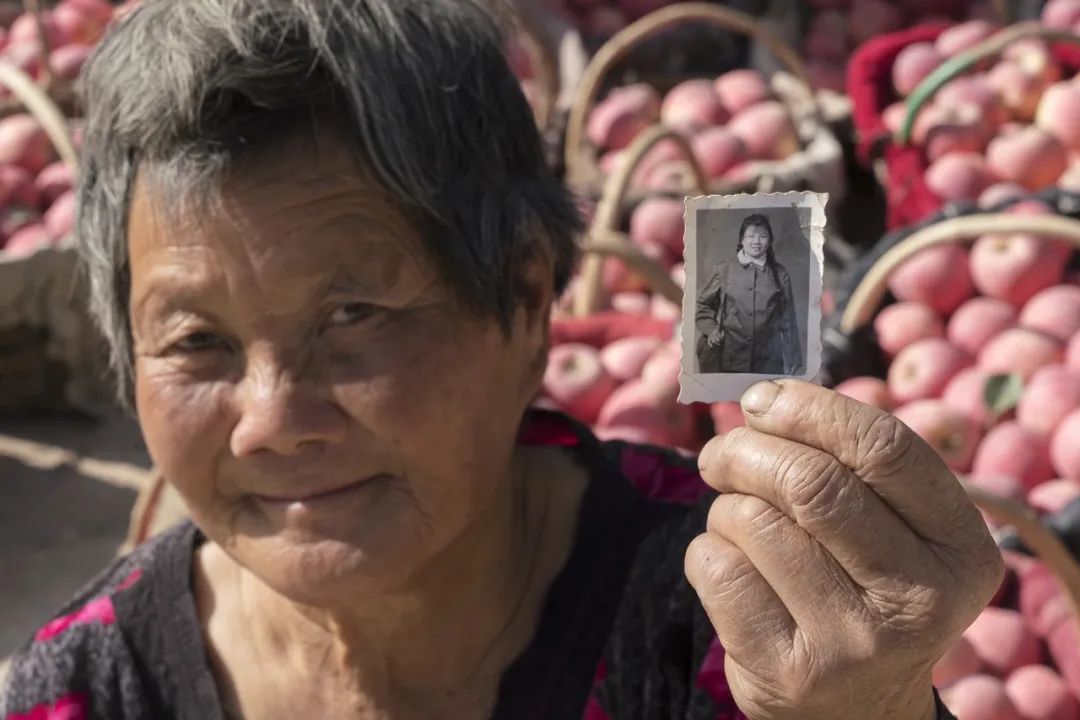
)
(316, 496)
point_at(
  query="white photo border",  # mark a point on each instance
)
(718, 387)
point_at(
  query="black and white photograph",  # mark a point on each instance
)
(752, 305)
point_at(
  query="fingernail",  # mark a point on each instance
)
(759, 398)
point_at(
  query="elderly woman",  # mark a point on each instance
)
(323, 246)
(746, 312)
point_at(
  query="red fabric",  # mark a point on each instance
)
(655, 478)
(97, 610)
(605, 327)
(69, 707)
(869, 85)
(712, 679)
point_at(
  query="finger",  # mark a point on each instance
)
(750, 620)
(826, 499)
(809, 581)
(897, 465)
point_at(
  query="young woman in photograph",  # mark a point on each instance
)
(746, 313)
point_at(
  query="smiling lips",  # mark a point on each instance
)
(317, 495)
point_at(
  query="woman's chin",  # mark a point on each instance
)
(318, 570)
(314, 551)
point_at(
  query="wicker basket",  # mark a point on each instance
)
(50, 356)
(604, 238)
(819, 164)
(898, 164)
(849, 344)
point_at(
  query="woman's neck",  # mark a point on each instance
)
(459, 624)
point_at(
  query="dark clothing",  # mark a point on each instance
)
(622, 635)
(755, 310)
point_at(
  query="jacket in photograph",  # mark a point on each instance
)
(754, 307)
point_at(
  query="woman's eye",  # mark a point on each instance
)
(200, 342)
(352, 313)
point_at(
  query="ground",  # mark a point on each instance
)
(67, 488)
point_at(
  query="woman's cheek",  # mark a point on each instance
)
(185, 422)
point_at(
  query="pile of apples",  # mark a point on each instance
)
(1020, 659)
(983, 348)
(837, 27)
(1002, 131)
(984, 352)
(72, 28)
(731, 121)
(37, 200)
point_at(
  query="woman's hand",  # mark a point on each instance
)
(716, 337)
(841, 560)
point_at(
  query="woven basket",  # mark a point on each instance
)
(819, 164)
(849, 344)
(898, 164)
(50, 356)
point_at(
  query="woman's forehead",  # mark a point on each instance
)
(279, 233)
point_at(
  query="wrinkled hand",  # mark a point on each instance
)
(840, 562)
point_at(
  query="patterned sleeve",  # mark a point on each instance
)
(77, 666)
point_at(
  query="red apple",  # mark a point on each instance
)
(953, 435)
(966, 392)
(575, 379)
(977, 321)
(625, 358)
(869, 391)
(1052, 393)
(1055, 311)
(1016, 267)
(739, 89)
(1021, 351)
(924, 368)
(937, 276)
(1010, 451)
(1065, 447)
(904, 323)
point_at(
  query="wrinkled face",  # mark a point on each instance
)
(331, 414)
(755, 241)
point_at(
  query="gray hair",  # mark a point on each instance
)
(420, 89)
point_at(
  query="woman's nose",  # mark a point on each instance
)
(283, 416)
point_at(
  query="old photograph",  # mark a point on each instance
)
(752, 305)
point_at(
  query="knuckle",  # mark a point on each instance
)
(717, 575)
(755, 515)
(815, 485)
(886, 444)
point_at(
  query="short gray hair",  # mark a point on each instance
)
(419, 87)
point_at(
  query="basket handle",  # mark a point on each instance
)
(38, 103)
(620, 45)
(867, 297)
(970, 58)
(603, 238)
(1035, 535)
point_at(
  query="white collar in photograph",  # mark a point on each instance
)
(746, 259)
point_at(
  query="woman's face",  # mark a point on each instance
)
(330, 413)
(755, 241)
